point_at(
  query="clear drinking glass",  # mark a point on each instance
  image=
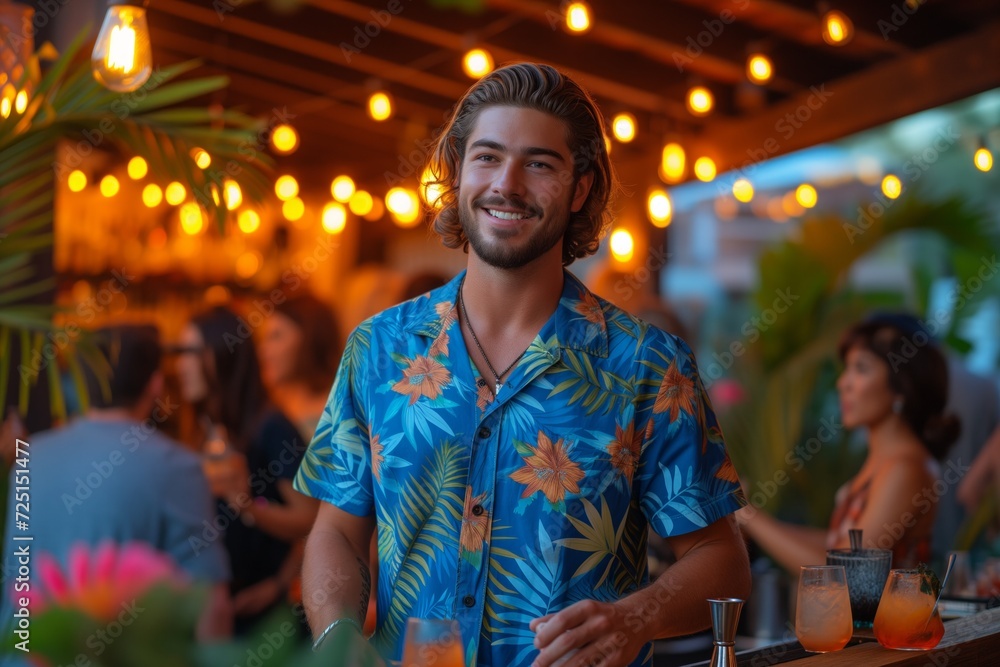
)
(823, 609)
(432, 642)
(904, 619)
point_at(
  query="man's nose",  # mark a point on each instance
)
(509, 180)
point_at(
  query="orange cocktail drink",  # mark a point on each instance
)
(904, 619)
(823, 609)
(432, 643)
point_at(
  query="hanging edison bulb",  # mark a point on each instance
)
(122, 59)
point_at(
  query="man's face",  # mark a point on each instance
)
(516, 189)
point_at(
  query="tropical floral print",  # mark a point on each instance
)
(497, 510)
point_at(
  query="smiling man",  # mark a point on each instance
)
(512, 435)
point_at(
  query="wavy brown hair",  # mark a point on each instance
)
(543, 88)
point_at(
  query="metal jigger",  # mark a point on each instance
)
(725, 617)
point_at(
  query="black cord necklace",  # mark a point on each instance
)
(468, 322)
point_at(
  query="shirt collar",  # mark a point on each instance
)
(579, 322)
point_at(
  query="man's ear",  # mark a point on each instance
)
(583, 185)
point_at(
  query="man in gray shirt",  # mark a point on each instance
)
(111, 476)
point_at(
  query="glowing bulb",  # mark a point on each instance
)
(334, 217)
(623, 127)
(201, 158)
(673, 163)
(983, 159)
(342, 188)
(192, 221)
(109, 186)
(21, 101)
(837, 28)
(578, 17)
(403, 205)
(77, 181)
(379, 106)
(805, 195)
(622, 245)
(759, 68)
(284, 139)
(430, 191)
(247, 264)
(152, 195)
(5, 107)
(891, 186)
(361, 203)
(700, 100)
(175, 193)
(137, 168)
(477, 63)
(248, 221)
(122, 59)
(232, 194)
(293, 209)
(704, 169)
(743, 190)
(660, 208)
(286, 187)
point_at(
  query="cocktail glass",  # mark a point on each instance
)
(432, 642)
(904, 619)
(867, 571)
(823, 609)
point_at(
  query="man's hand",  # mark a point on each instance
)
(588, 633)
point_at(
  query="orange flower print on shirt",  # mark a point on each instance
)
(727, 471)
(590, 308)
(423, 376)
(448, 315)
(625, 450)
(483, 394)
(474, 525)
(377, 458)
(550, 470)
(676, 393)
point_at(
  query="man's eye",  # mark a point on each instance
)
(542, 165)
(485, 158)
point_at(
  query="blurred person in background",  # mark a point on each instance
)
(897, 391)
(252, 451)
(983, 476)
(110, 475)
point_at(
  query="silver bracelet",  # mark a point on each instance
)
(322, 635)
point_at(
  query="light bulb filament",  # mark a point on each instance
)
(121, 51)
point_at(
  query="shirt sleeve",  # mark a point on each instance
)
(687, 480)
(336, 467)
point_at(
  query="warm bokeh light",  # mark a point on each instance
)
(791, 206)
(361, 203)
(5, 106)
(192, 220)
(293, 209)
(286, 187)
(201, 158)
(247, 264)
(700, 100)
(404, 206)
(578, 17)
(477, 63)
(21, 101)
(430, 191)
(891, 186)
(377, 210)
(284, 139)
(109, 186)
(379, 106)
(77, 180)
(673, 163)
(743, 190)
(983, 159)
(232, 194)
(704, 169)
(334, 217)
(623, 127)
(175, 193)
(137, 168)
(660, 208)
(759, 68)
(726, 208)
(806, 195)
(152, 195)
(248, 221)
(775, 209)
(837, 28)
(342, 188)
(622, 245)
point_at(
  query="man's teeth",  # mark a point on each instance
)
(505, 215)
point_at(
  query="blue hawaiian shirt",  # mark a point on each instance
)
(495, 511)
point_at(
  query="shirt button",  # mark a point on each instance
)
(484, 432)
(477, 510)
(469, 601)
(481, 382)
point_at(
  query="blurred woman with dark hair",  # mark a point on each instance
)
(253, 452)
(895, 385)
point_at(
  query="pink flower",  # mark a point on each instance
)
(99, 582)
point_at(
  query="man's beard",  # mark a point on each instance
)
(505, 256)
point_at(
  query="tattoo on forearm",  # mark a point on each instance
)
(366, 589)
